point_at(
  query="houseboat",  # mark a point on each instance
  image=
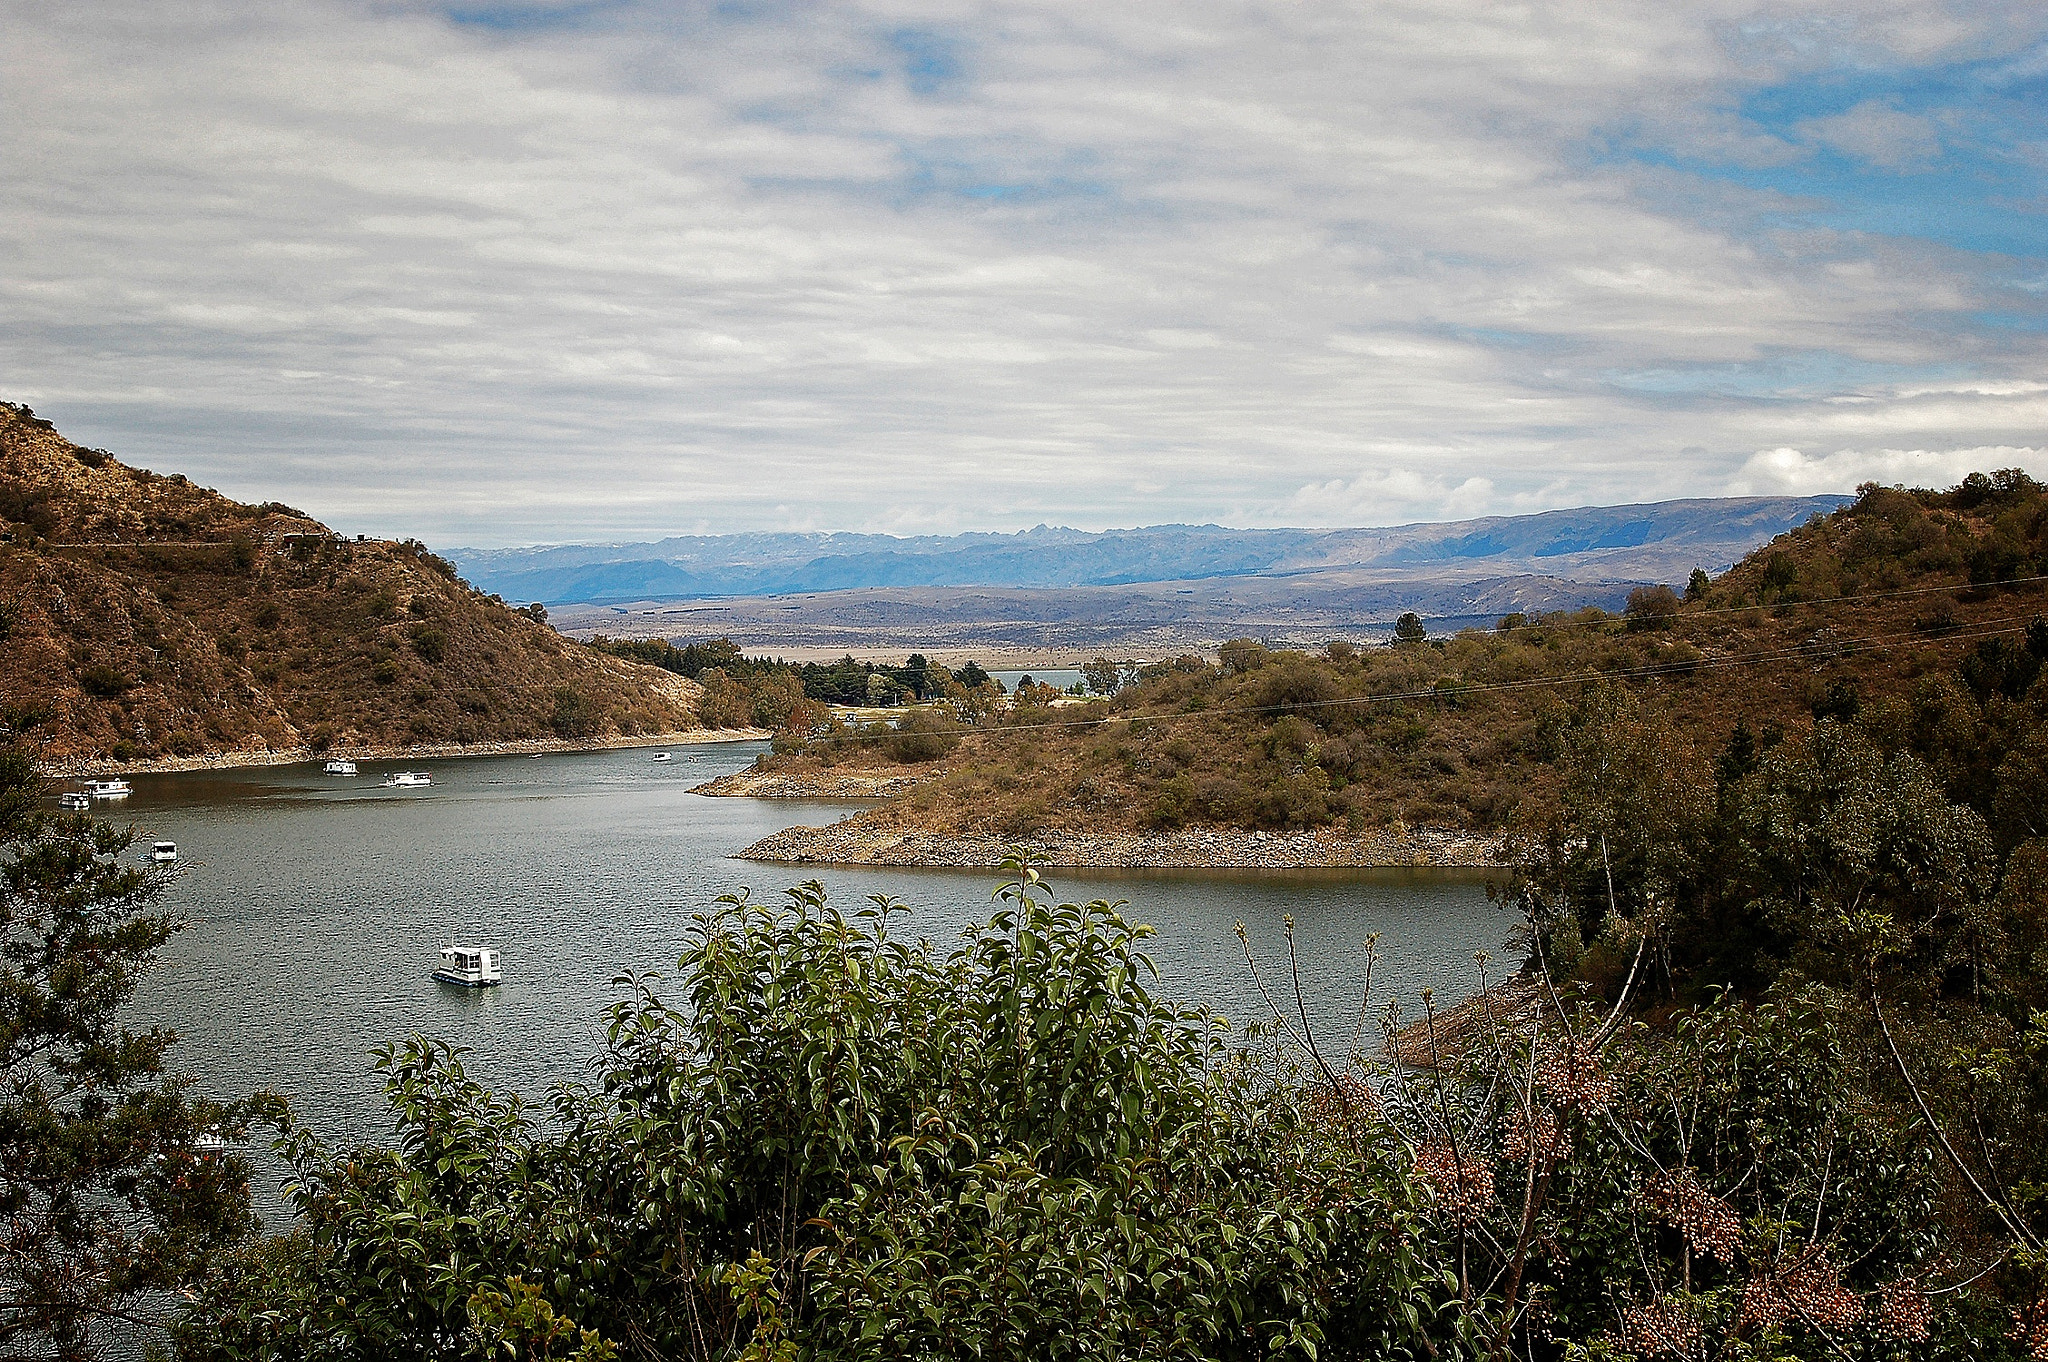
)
(164, 851)
(469, 966)
(406, 780)
(340, 767)
(74, 799)
(109, 789)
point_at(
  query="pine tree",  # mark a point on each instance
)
(116, 1183)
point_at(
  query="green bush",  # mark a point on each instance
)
(838, 1144)
(430, 643)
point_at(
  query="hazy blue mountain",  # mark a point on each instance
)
(1612, 543)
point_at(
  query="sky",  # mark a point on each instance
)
(591, 270)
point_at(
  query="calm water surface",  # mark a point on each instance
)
(319, 904)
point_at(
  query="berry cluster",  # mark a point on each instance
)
(1571, 1074)
(1462, 1188)
(1663, 1328)
(2030, 1327)
(1708, 1223)
(1902, 1313)
(1810, 1289)
(1539, 1134)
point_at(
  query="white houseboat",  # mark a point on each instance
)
(470, 966)
(164, 851)
(406, 780)
(109, 789)
(340, 767)
(74, 799)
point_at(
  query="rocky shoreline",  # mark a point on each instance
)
(874, 838)
(833, 784)
(287, 756)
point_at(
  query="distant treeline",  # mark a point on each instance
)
(767, 688)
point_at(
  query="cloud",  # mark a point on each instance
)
(1879, 133)
(541, 271)
(1792, 472)
(1387, 497)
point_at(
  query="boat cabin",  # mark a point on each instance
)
(470, 966)
(164, 851)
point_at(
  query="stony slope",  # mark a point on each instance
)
(144, 618)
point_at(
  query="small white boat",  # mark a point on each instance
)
(340, 767)
(208, 1144)
(164, 851)
(661, 756)
(407, 780)
(109, 789)
(74, 799)
(469, 966)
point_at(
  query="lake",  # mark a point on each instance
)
(319, 903)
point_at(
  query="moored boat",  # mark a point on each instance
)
(164, 851)
(109, 789)
(406, 780)
(340, 766)
(662, 756)
(469, 966)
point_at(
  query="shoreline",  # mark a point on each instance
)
(870, 838)
(854, 783)
(291, 756)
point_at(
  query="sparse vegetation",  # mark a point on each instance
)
(1908, 610)
(150, 613)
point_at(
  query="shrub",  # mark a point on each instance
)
(574, 715)
(1651, 607)
(925, 735)
(104, 682)
(430, 643)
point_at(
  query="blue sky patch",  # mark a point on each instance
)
(1950, 154)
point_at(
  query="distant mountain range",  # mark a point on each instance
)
(1658, 541)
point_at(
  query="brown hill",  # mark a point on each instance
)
(1914, 614)
(144, 618)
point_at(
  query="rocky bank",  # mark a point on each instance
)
(875, 838)
(841, 783)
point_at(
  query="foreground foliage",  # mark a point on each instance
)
(108, 1198)
(841, 1144)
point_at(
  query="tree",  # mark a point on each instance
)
(1102, 675)
(1697, 584)
(725, 702)
(1651, 607)
(972, 676)
(1409, 629)
(108, 1197)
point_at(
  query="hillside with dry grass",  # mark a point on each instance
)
(144, 618)
(1912, 614)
